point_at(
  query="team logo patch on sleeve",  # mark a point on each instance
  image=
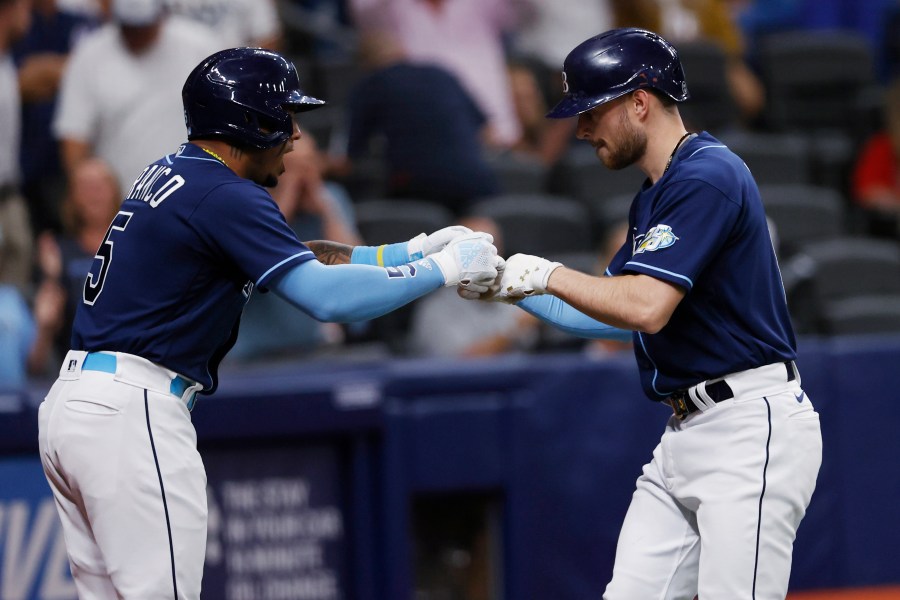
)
(657, 238)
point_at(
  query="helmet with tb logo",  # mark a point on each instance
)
(615, 63)
(245, 96)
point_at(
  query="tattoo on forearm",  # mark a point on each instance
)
(331, 253)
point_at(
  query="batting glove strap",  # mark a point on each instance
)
(525, 275)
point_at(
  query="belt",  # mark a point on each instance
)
(99, 361)
(683, 405)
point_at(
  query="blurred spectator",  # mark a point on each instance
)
(51, 334)
(759, 18)
(15, 229)
(444, 325)
(315, 210)
(429, 124)
(16, 336)
(98, 10)
(542, 138)
(681, 21)
(876, 174)
(121, 91)
(463, 36)
(91, 203)
(548, 29)
(41, 58)
(321, 29)
(237, 22)
(545, 31)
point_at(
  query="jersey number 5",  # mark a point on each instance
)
(93, 284)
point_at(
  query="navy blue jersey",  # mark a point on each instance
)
(180, 260)
(702, 227)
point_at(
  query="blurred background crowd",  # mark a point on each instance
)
(435, 116)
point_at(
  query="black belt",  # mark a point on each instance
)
(682, 404)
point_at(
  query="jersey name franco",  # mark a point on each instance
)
(702, 227)
(212, 236)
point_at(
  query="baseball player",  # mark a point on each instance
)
(196, 233)
(717, 508)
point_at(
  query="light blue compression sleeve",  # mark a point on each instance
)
(386, 255)
(344, 293)
(554, 311)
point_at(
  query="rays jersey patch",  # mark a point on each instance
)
(657, 238)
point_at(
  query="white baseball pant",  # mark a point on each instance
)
(120, 453)
(716, 511)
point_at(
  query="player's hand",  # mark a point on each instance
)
(469, 260)
(478, 290)
(482, 292)
(524, 275)
(426, 244)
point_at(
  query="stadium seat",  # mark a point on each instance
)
(518, 173)
(579, 174)
(711, 106)
(877, 313)
(803, 213)
(606, 213)
(822, 278)
(586, 261)
(386, 220)
(817, 80)
(773, 158)
(538, 223)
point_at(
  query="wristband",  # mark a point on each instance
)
(386, 255)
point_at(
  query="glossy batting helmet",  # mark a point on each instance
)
(615, 63)
(245, 96)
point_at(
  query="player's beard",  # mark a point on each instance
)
(267, 166)
(270, 181)
(630, 149)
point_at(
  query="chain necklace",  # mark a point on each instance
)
(222, 160)
(674, 150)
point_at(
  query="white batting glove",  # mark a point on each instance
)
(524, 275)
(424, 244)
(481, 292)
(469, 260)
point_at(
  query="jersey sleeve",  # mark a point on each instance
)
(689, 225)
(242, 223)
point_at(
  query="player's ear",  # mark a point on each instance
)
(639, 101)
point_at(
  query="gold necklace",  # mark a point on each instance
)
(214, 155)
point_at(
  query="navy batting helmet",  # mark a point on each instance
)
(615, 63)
(246, 96)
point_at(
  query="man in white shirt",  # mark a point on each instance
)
(237, 22)
(121, 92)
